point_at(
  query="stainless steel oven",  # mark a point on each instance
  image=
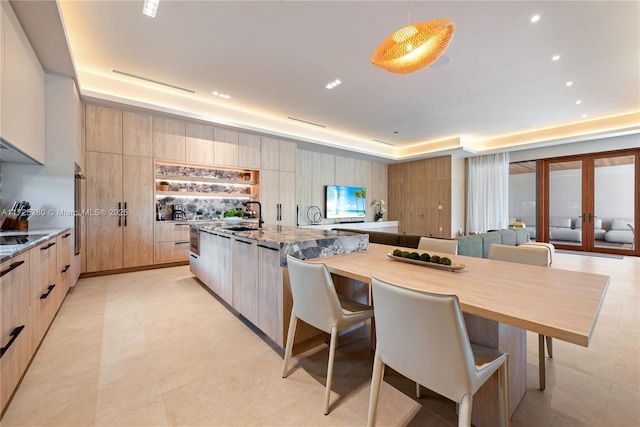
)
(194, 241)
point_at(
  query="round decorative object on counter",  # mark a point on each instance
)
(314, 215)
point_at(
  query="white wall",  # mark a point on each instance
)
(49, 187)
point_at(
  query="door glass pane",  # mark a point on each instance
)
(522, 195)
(565, 203)
(614, 190)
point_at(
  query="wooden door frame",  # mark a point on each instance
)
(588, 200)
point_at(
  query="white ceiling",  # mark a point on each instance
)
(275, 57)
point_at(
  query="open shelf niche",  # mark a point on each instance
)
(207, 189)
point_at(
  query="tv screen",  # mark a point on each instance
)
(345, 202)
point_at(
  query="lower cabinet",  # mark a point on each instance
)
(32, 287)
(245, 278)
(270, 294)
(15, 329)
(171, 242)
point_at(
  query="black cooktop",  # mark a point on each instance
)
(19, 239)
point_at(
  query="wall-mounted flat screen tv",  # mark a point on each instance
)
(345, 202)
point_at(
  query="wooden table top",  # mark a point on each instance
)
(557, 303)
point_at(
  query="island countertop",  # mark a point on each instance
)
(303, 243)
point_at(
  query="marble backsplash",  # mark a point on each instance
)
(210, 208)
(172, 171)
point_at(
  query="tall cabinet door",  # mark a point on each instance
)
(287, 200)
(104, 225)
(269, 195)
(137, 196)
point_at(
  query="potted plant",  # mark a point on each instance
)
(378, 208)
(164, 186)
(233, 216)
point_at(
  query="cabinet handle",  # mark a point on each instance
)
(193, 256)
(119, 216)
(66, 235)
(13, 266)
(177, 225)
(50, 288)
(224, 237)
(242, 241)
(182, 242)
(47, 247)
(66, 267)
(14, 335)
(267, 247)
(125, 214)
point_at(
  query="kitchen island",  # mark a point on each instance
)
(246, 267)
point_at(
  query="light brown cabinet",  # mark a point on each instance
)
(171, 242)
(226, 147)
(278, 155)
(120, 206)
(278, 197)
(270, 294)
(14, 327)
(32, 288)
(103, 129)
(245, 278)
(249, 151)
(199, 143)
(137, 134)
(169, 139)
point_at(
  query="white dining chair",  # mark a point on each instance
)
(316, 302)
(531, 255)
(422, 336)
(449, 246)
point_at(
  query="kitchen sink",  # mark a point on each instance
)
(240, 228)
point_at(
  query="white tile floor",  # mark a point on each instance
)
(153, 348)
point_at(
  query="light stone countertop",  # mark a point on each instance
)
(9, 251)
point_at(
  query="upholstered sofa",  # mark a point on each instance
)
(621, 231)
(476, 245)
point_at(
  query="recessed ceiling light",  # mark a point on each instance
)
(535, 18)
(221, 95)
(584, 115)
(150, 7)
(555, 57)
(569, 83)
(333, 84)
(578, 102)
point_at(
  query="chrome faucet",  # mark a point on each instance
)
(260, 221)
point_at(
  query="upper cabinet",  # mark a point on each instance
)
(200, 145)
(23, 89)
(249, 151)
(137, 134)
(103, 129)
(226, 151)
(278, 155)
(169, 139)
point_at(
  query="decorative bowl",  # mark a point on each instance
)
(233, 220)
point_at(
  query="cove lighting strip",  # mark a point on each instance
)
(180, 196)
(182, 181)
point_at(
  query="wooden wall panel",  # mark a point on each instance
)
(304, 184)
(323, 174)
(199, 145)
(345, 171)
(137, 134)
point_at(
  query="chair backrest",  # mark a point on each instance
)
(523, 254)
(423, 336)
(314, 296)
(448, 246)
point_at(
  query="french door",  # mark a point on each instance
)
(591, 202)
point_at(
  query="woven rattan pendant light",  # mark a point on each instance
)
(414, 47)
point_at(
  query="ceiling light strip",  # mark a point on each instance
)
(152, 81)
(304, 121)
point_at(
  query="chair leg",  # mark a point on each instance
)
(418, 395)
(464, 411)
(549, 346)
(503, 376)
(332, 352)
(290, 335)
(376, 387)
(541, 362)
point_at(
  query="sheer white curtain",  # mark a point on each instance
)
(488, 192)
